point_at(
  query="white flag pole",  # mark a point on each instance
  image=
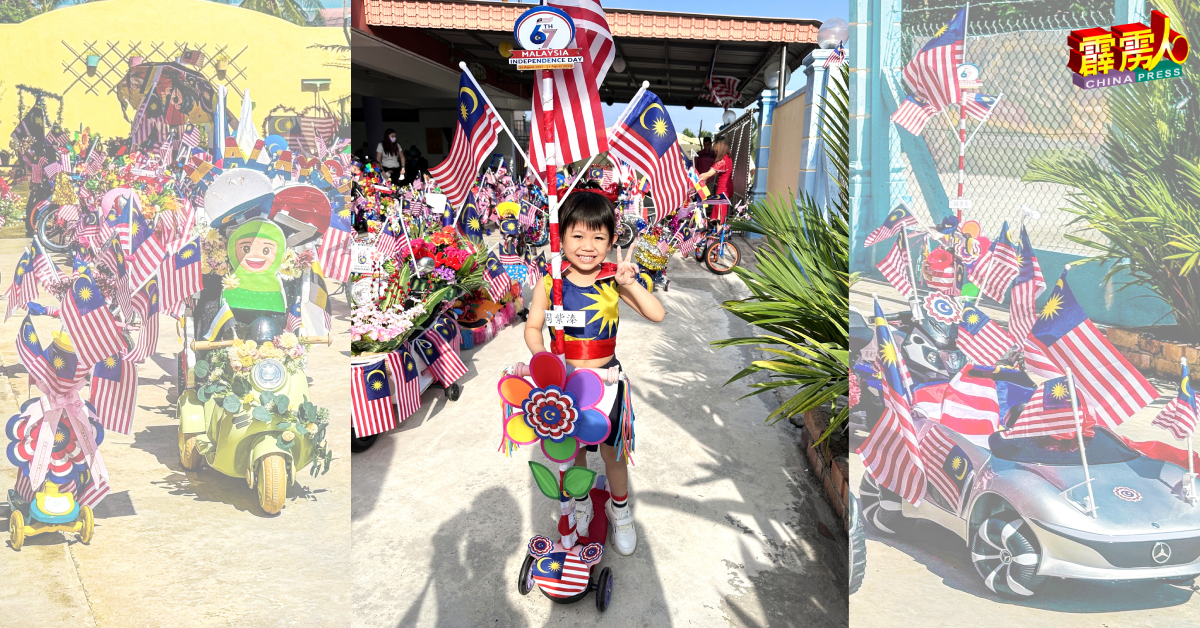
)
(483, 95)
(621, 120)
(1087, 478)
(1191, 470)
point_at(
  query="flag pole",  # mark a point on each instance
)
(962, 117)
(985, 119)
(484, 96)
(1087, 477)
(619, 122)
(1191, 466)
(404, 229)
(914, 302)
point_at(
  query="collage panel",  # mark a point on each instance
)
(1024, 312)
(174, 386)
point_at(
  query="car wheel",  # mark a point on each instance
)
(880, 506)
(1005, 556)
(858, 546)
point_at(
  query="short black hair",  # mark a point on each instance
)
(593, 210)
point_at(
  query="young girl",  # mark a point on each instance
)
(587, 223)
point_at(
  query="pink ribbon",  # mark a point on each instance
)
(52, 408)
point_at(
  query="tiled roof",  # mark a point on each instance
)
(487, 16)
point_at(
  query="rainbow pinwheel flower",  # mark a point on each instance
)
(558, 409)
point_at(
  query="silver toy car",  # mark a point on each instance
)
(1024, 511)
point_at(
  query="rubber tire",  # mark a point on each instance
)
(997, 576)
(524, 581)
(16, 530)
(42, 222)
(189, 457)
(89, 524)
(711, 250)
(272, 483)
(604, 589)
(625, 234)
(858, 545)
(881, 507)
(453, 392)
(359, 445)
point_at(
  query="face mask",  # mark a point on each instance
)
(391, 138)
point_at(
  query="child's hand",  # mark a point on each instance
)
(627, 269)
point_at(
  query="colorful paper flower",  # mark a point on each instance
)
(558, 409)
(67, 460)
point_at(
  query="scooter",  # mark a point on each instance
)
(50, 511)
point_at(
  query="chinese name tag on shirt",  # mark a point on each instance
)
(565, 318)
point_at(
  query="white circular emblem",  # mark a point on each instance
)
(968, 72)
(1129, 495)
(1161, 552)
(544, 28)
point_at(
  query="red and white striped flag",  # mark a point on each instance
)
(1022, 307)
(94, 162)
(970, 405)
(95, 491)
(939, 452)
(86, 317)
(45, 271)
(933, 72)
(1047, 413)
(1037, 361)
(896, 267)
(24, 287)
(371, 399)
(722, 90)
(475, 135)
(392, 239)
(897, 219)
(498, 281)
(646, 139)
(181, 276)
(112, 257)
(890, 452)
(23, 488)
(1179, 416)
(981, 338)
(114, 392)
(146, 303)
(406, 382)
(32, 356)
(334, 253)
(578, 117)
(438, 347)
(913, 114)
(997, 267)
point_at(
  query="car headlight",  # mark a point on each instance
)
(269, 375)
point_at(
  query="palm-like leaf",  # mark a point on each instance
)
(294, 11)
(1143, 194)
(800, 287)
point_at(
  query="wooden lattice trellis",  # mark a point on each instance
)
(114, 62)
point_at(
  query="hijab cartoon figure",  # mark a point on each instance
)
(256, 251)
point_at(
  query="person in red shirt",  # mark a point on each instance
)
(706, 156)
(722, 169)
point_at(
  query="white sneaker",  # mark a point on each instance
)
(624, 537)
(583, 516)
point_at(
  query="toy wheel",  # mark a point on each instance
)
(721, 258)
(89, 524)
(272, 483)
(188, 456)
(453, 392)
(1005, 556)
(16, 530)
(880, 506)
(54, 236)
(604, 592)
(359, 445)
(525, 577)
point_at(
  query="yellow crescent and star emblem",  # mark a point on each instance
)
(960, 469)
(462, 107)
(660, 124)
(376, 384)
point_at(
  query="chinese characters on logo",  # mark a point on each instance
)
(1128, 53)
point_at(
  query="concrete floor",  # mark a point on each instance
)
(925, 577)
(175, 548)
(726, 510)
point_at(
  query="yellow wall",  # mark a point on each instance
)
(276, 56)
(787, 130)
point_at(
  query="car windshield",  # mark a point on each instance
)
(1103, 448)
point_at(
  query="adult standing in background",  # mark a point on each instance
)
(705, 158)
(722, 168)
(391, 158)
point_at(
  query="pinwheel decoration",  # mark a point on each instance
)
(558, 409)
(67, 460)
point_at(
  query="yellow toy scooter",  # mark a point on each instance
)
(50, 511)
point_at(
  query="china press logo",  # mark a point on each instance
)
(1130, 53)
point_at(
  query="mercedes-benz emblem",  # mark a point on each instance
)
(1161, 552)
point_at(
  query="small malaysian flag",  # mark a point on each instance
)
(1047, 413)
(32, 355)
(86, 317)
(23, 488)
(978, 106)
(838, 56)
(898, 219)
(24, 287)
(441, 357)
(406, 380)
(370, 399)
(981, 338)
(392, 240)
(94, 162)
(334, 253)
(114, 392)
(194, 58)
(191, 137)
(997, 267)
(528, 214)
(498, 281)
(913, 114)
(294, 321)
(947, 466)
(933, 71)
(114, 259)
(896, 267)
(1179, 416)
(146, 303)
(561, 574)
(53, 169)
(181, 276)
(1022, 305)
(45, 271)
(664, 245)
(145, 252)
(94, 492)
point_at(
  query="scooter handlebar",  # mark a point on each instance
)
(206, 345)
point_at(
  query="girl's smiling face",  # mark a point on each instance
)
(256, 254)
(585, 247)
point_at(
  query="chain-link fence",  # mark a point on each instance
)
(1041, 114)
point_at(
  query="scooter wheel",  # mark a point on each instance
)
(604, 592)
(88, 524)
(272, 483)
(525, 577)
(16, 530)
(359, 445)
(453, 392)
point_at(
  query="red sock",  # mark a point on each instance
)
(619, 501)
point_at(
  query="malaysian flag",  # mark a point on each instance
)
(334, 254)
(981, 338)
(294, 321)
(24, 287)
(838, 56)
(1036, 360)
(1179, 416)
(191, 137)
(470, 223)
(114, 392)
(997, 267)
(913, 113)
(181, 276)
(561, 574)
(33, 357)
(406, 382)
(94, 162)
(1022, 307)
(890, 452)
(898, 219)
(439, 354)
(896, 267)
(722, 90)
(946, 465)
(1113, 389)
(978, 106)
(528, 214)
(933, 72)
(53, 169)
(646, 139)
(392, 240)
(194, 58)
(66, 372)
(370, 397)
(977, 399)
(45, 271)
(578, 117)
(23, 488)
(146, 303)
(145, 253)
(114, 259)
(1048, 412)
(474, 137)
(86, 317)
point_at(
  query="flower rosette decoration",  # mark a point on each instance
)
(558, 408)
(67, 459)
